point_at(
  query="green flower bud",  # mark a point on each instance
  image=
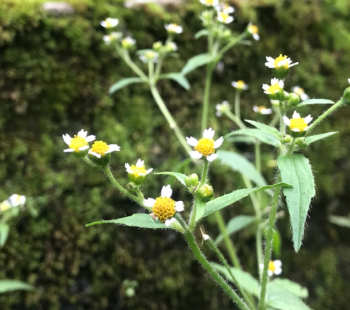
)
(131, 186)
(346, 95)
(301, 142)
(206, 192)
(191, 180)
(157, 46)
(293, 99)
(287, 139)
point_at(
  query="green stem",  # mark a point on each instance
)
(206, 96)
(235, 119)
(204, 173)
(231, 44)
(275, 119)
(291, 147)
(237, 104)
(205, 263)
(259, 254)
(133, 66)
(158, 68)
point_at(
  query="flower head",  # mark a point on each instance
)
(297, 123)
(224, 17)
(240, 85)
(280, 61)
(16, 200)
(222, 108)
(275, 87)
(78, 144)
(254, 31)
(128, 42)
(171, 47)
(275, 268)
(100, 149)
(137, 173)
(173, 28)
(111, 37)
(109, 22)
(225, 8)
(4, 206)
(209, 2)
(164, 208)
(300, 92)
(205, 146)
(149, 56)
(262, 109)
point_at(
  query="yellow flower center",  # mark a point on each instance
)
(275, 88)
(108, 23)
(240, 84)
(76, 143)
(100, 147)
(205, 147)
(279, 59)
(224, 16)
(261, 108)
(164, 208)
(253, 29)
(272, 266)
(209, 2)
(297, 123)
(138, 170)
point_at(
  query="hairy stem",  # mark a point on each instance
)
(206, 96)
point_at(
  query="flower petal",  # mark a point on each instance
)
(140, 163)
(256, 36)
(83, 148)
(212, 157)
(68, 150)
(67, 139)
(179, 206)
(168, 222)
(308, 119)
(296, 114)
(196, 154)
(208, 133)
(218, 142)
(286, 120)
(277, 263)
(166, 191)
(114, 147)
(192, 141)
(90, 138)
(82, 133)
(95, 154)
(278, 271)
(128, 168)
(266, 111)
(270, 273)
(149, 170)
(149, 202)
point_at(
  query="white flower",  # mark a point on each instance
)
(205, 146)
(209, 2)
(5, 205)
(300, 92)
(262, 110)
(164, 208)
(100, 149)
(138, 170)
(128, 42)
(173, 28)
(112, 36)
(149, 56)
(224, 17)
(80, 142)
(225, 8)
(297, 123)
(254, 31)
(280, 61)
(275, 267)
(276, 86)
(222, 107)
(240, 85)
(110, 22)
(16, 200)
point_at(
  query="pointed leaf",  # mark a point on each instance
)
(181, 177)
(201, 33)
(266, 128)
(177, 77)
(315, 101)
(13, 285)
(196, 61)
(340, 220)
(296, 170)
(4, 232)
(124, 82)
(235, 225)
(136, 220)
(292, 287)
(312, 139)
(258, 134)
(200, 208)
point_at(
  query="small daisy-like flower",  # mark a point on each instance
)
(4, 206)
(205, 146)
(222, 108)
(275, 87)
(297, 123)
(100, 149)
(209, 2)
(128, 42)
(280, 61)
(224, 17)
(171, 47)
(225, 8)
(79, 143)
(149, 56)
(254, 31)
(262, 110)
(300, 92)
(240, 85)
(275, 268)
(164, 208)
(137, 173)
(173, 28)
(111, 37)
(109, 22)
(16, 200)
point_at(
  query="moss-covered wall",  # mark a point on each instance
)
(54, 76)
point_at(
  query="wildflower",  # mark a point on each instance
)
(112, 36)
(300, 92)
(240, 85)
(16, 200)
(225, 8)
(205, 146)
(128, 42)
(109, 22)
(173, 28)
(273, 89)
(100, 149)
(79, 145)
(262, 109)
(164, 208)
(280, 65)
(137, 173)
(254, 31)
(157, 45)
(275, 267)
(224, 17)
(4, 206)
(171, 47)
(297, 123)
(149, 56)
(209, 2)
(222, 108)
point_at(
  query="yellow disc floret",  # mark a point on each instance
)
(261, 108)
(209, 2)
(205, 147)
(272, 266)
(77, 142)
(274, 88)
(224, 16)
(240, 84)
(100, 147)
(281, 58)
(298, 123)
(253, 29)
(164, 208)
(136, 171)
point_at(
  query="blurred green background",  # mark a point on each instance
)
(55, 72)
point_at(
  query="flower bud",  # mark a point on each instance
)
(205, 192)
(346, 95)
(191, 180)
(301, 142)
(287, 139)
(157, 46)
(293, 99)
(131, 186)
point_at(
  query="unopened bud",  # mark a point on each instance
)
(205, 192)
(191, 180)
(301, 142)
(293, 99)
(346, 95)
(287, 139)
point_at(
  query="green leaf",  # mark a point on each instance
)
(296, 170)
(236, 224)
(239, 139)
(177, 77)
(196, 61)
(292, 287)
(315, 101)
(266, 128)
(200, 208)
(247, 281)
(312, 139)
(124, 82)
(258, 134)
(181, 177)
(340, 220)
(4, 232)
(228, 199)
(13, 285)
(201, 33)
(136, 220)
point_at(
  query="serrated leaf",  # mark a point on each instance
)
(181, 177)
(4, 232)
(228, 199)
(177, 77)
(258, 134)
(246, 280)
(196, 61)
(266, 128)
(296, 170)
(201, 33)
(292, 287)
(340, 220)
(312, 139)
(315, 101)
(136, 220)
(124, 82)
(235, 225)
(13, 285)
